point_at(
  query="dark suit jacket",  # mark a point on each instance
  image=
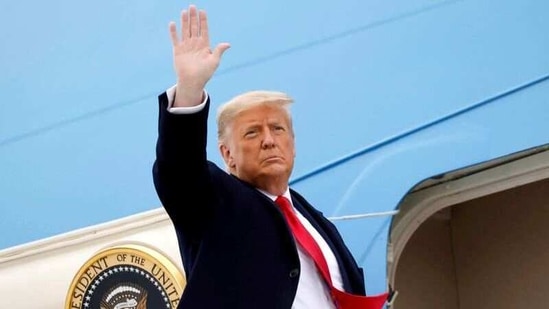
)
(237, 249)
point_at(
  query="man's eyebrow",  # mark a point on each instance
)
(251, 126)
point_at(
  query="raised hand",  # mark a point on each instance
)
(193, 59)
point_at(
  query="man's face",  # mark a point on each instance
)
(259, 148)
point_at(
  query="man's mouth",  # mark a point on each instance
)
(272, 158)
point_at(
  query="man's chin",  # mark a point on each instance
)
(275, 170)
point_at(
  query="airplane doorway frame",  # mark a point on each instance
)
(433, 195)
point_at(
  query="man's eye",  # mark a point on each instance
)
(250, 133)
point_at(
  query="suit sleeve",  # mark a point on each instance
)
(180, 171)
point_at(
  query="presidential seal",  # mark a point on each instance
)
(126, 277)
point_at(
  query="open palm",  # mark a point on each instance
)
(194, 61)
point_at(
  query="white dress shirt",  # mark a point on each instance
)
(312, 291)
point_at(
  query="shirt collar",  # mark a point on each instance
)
(273, 197)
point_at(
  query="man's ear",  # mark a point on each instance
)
(226, 154)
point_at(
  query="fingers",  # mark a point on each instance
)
(194, 23)
(173, 33)
(204, 26)
(193, 20)
(220, 49)
(185, 29)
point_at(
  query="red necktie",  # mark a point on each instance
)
(342, 299)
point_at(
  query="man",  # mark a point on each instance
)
(240, 249)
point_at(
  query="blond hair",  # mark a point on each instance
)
(229, 110)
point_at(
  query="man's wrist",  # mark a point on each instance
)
(188, 95)
(171, 93)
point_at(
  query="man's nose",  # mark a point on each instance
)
(268, 140)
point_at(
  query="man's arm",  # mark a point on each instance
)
(180, 170)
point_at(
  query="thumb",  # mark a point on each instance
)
(220, 49)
